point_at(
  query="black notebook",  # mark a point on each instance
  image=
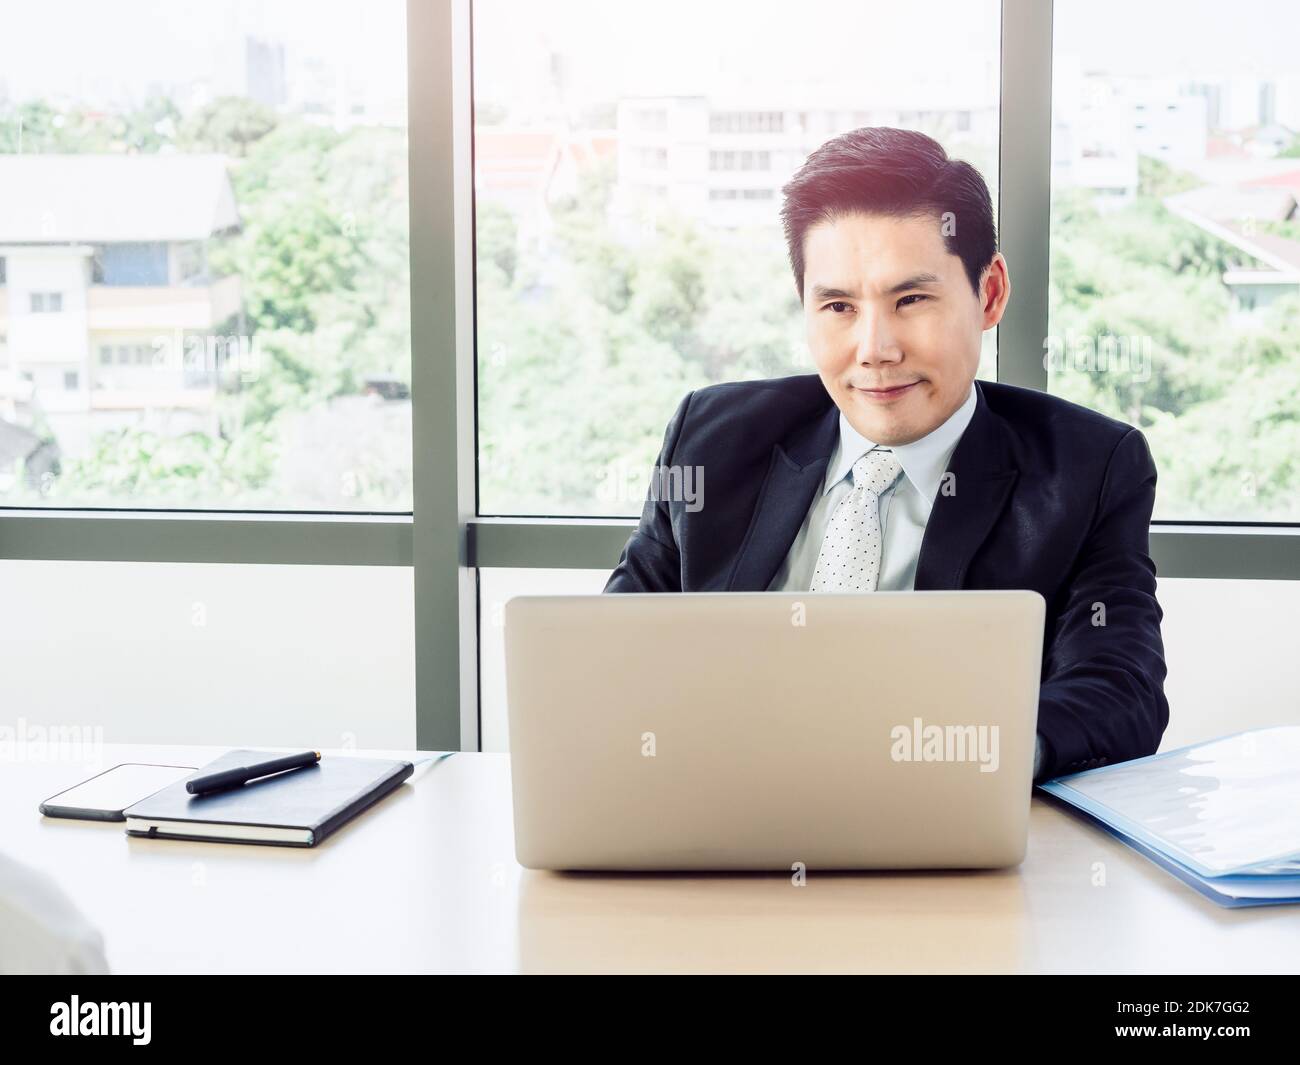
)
(297, 808)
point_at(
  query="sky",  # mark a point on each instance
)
(88, 48)
(85, 49)
(628, 44)
(697, 46)
(1202, 38)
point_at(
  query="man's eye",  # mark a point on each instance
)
(837, 303)
(914, 296)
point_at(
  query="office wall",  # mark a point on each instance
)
(1231, 651)
(324, 655)
(224, 654)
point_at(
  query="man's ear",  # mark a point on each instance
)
(995, 290)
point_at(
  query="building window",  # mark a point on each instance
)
(105, 354)
(652, 121)
(653, 158)
(740, 160)
(46, 302)
(132, 263)
(747, 122)
(71, 380)
(191, 263)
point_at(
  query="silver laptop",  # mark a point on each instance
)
(766, 730)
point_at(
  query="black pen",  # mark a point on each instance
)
(228, 778)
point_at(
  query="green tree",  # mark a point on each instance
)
(229, 125)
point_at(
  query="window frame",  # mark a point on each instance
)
(453, 540)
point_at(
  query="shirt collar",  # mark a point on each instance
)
(924, 461)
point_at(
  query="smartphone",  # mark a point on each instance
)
(104, 797)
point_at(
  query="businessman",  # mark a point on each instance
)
(893, 469)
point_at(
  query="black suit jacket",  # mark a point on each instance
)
(1049, 496)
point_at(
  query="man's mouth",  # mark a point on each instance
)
(886, 391)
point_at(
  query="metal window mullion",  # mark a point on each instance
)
(1189, 551)
(442, 373)
(1024, 187)
(187, 537)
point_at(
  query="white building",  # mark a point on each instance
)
(105, 284)
(723, 158)
(1102, 124)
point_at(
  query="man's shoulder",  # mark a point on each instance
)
(800, 392)
(755, 414)
(1039, 418)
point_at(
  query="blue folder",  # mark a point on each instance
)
(1218, 815)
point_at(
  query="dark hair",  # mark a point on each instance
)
(898, 173)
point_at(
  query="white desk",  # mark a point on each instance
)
(427, 881)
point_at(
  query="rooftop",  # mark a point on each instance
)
(105, 199)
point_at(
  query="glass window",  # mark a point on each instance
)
(1175, 243)
(223, 184)
(628, 241)
(134, 263)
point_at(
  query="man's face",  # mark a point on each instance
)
(892, 322)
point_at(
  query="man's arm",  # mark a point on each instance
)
(650, 562)
(1102, 697)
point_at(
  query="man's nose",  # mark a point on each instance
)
(876, 340)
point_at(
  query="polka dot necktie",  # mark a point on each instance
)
(849, 560)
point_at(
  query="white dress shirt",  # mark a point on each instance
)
(904, 507)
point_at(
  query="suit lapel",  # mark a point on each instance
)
(982, 473)
(796, 471)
